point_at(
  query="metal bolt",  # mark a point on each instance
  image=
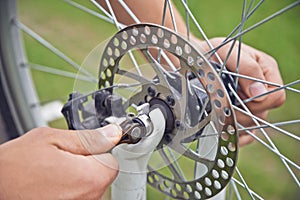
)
(170, 100)
(179, 125)
(151, 91)
(168, 138)
(130, 115)
(143, 109)
(136, 133)
(103, 123)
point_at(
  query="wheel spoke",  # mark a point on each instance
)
(243, 186)
(223, 66)
(267, 126)
(119, 26)
(196, 128)
(271, 148)
(243, 20)
(200, 29)
(161, 72)
(244, 182)
(255, 120)
(59, 72)
(89, 11)
(112, 13)
(160, 52)
(129, 11)
(172, 15)
(272, 91)
(261, 81)
(57, 52)
(141, 79)
(247, 17)
(236, 191)
(110, 16)
(187, 21)
(191, 154)
(276, 14)
(172, 165)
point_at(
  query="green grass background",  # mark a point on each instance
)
(77, 33)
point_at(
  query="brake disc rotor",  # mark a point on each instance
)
(192, 98)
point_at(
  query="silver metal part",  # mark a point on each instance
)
(143, 109)
(147, 123)
(134, 127)
(136, 132)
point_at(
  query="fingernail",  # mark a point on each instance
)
(257, 89)
(110, 131)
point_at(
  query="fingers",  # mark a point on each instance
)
(98, 172)
(269, 68)
(94, 172)
(100, 140)
(245, 139)
(53, 171)
(103, 169)
(262, 67)
(249, 67)
(84, 142)
(272, 74)
(255, 65)
(88, 176)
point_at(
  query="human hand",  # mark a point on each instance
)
(48, 163)
(259, 65)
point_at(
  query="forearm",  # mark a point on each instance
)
(147, 11)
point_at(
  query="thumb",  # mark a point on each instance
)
(255, 89)
(87, 142)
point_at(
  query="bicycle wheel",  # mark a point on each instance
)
(277, 139)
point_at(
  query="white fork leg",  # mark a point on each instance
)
(133, 159)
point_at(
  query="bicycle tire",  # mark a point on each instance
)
(19, 100)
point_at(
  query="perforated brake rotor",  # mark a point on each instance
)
(175, 94)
